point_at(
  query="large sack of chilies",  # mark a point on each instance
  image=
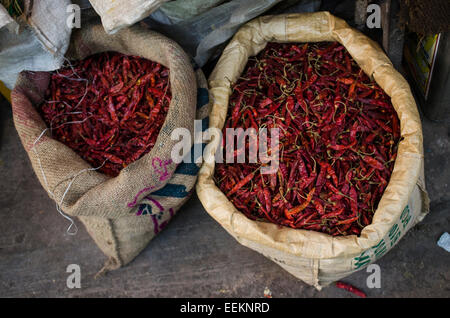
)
(318, 258)
(122, 213)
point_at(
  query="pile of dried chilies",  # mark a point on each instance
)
(108, 108)
(338, 139)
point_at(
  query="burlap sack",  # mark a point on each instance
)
(124, 213)
(317, 258)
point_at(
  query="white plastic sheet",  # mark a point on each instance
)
(39, 44)
(122, 13)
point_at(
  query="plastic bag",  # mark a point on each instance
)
(201, 35)
(37, 43)
(122, 13)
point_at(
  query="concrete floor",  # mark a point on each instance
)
(194, 256)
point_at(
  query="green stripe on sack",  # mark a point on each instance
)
(191, 168)
(375, 252)
(172, 190)
(202, 97)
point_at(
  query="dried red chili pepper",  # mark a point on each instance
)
(302, 206)
(241, 183)
(108, 108)
(351, 289)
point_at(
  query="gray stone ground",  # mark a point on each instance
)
(194, 256)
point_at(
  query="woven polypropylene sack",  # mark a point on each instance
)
(318, 258)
